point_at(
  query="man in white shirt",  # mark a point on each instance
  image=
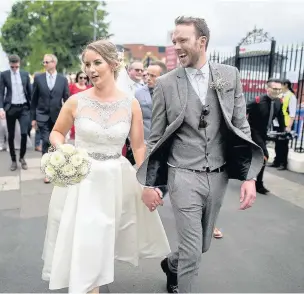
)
(135, 71)
(15, 100)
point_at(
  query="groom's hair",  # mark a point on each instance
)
(200, 25)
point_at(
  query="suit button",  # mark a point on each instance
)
(207, 154)
(208, 139)
(204, 168)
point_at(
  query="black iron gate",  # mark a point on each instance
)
(257, 66)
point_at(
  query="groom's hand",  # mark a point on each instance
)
(248, 194)
(152, 198)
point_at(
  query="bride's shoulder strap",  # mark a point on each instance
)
(80, 99)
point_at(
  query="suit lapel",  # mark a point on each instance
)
(182, 86)
(23, 80)
(56, 82)
(215, 75)
(44, 81)
(9, 78)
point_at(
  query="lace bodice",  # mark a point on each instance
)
(102, 127)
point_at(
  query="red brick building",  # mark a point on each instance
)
(144, 52)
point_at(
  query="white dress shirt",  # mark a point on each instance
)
(199, 79)
(51, 79)
(18, 95)
(137, 85)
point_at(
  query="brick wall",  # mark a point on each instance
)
(139, 51)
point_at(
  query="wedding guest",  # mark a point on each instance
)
(15, 100)
(81, 84)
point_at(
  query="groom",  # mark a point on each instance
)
(199, 139)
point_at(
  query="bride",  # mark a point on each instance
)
(103, 218)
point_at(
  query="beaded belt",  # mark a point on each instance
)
(102, 156)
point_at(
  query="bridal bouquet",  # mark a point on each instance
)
(65, 165)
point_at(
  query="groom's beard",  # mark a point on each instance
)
(191, 59)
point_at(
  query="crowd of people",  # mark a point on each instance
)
(19, 92)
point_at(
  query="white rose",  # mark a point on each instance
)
(82, 152)
(45, 159)
(57, 159)
(67, 149)
(84, 170)
(76, 160)
(68, 170)
(50, 171)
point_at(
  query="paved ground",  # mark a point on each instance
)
(262, 249)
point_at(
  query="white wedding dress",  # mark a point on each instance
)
(103, 218)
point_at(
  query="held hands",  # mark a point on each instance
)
(2, 114)
(152, 197)
(248, 194)
(34, 125)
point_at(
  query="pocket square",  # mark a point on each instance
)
(229, 90)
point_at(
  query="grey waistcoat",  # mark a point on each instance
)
(198, 149)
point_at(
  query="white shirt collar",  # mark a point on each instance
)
(17, 72)
(191, 72)
(53, 75)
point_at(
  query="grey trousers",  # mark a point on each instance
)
(196, 200)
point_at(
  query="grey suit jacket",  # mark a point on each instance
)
(145, 100)
(244, 157)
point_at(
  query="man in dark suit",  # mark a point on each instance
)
(15, 100)
(261, 114)
(50, 91)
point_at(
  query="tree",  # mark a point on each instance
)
(63, 28)
(14, 32)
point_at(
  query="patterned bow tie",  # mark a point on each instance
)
(199, 75)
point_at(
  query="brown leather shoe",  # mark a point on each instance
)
(23, 163)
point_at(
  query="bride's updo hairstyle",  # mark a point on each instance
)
(108, 52)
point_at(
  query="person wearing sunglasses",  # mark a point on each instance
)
(50, 91)
(81, 84)
(136, 70)
(261, 116)
(200, 138)
(15, 100)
